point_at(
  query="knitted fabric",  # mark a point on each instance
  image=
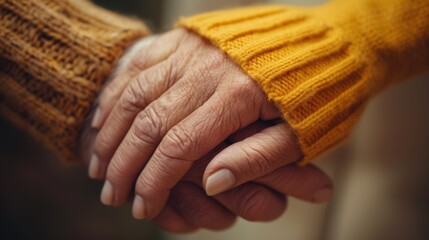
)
(321, 65)
(54, 58)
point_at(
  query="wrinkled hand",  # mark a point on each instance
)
(172, 107)
(189, 208)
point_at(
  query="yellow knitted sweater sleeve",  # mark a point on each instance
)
(321, 65)
(54, 58)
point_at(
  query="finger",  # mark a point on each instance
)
(251, 130)
(145, 58)
(307, 183)
(109, 97)
(251, 158)
(147, 130)
(143, 55)
(143, 89)
(134, 61)
(253, 202)
(172, 221)
(186, 142)
(198, 209)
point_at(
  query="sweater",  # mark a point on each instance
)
(319, 65)
(55, 56)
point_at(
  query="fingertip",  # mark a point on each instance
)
(139, 208)
(219, 181)
(94, 169)
(107, 194)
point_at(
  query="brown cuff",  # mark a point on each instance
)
(54, 58)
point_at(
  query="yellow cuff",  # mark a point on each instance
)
(304, 66)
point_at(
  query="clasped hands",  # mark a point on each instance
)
(195, 142)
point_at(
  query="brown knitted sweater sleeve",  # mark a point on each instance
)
(54, 58)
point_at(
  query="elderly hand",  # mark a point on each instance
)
(264, 199)
(172, 107)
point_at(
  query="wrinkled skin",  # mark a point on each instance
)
(181, 110)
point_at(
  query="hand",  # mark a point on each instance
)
(174, 107)
(189, 208)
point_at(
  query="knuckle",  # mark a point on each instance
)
(134, 97)
(257, 162)
(177, 142)
(146, 186)
(103, 146)
(117, 170)
(148, 126)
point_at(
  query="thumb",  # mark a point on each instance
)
(251, 158)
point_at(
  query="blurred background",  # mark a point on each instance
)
(381, 191)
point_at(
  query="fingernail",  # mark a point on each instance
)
(94, 167)
(96, 120)
(322, 195)
(107, 194)
(139, 208)
(219, 182)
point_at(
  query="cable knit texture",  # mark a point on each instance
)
(321, 65)
(54, 58)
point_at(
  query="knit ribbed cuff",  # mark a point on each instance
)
(305, 67)
(55, 56)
